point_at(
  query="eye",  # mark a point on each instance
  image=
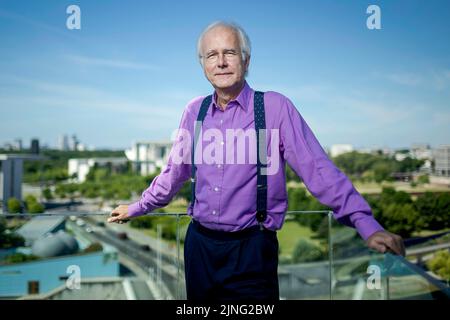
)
(230, 53)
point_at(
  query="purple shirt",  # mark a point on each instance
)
(226, 191)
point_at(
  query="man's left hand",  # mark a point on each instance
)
(384, 241)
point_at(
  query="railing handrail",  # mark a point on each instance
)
(100, 213)
(442, 287)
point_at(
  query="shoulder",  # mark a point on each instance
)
(277, 101)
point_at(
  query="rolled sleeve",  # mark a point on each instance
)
(321, 177)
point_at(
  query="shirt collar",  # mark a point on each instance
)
(243, 99)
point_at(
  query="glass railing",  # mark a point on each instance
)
(78, 255)
(363, 274)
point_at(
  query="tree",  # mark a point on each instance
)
(401, 219)
(36, 208)
(7, 239)
(47, 193)
(306, 251)
(434, 210)
(382, 171)
(144, 222)
(14, 205)
(440, 264)
(33, 206)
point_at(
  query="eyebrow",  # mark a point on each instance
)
(224, 50)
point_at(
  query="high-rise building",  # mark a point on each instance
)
(34, 146)
(442, 161)
(63, 142)
(74, 143)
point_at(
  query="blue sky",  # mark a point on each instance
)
(130, 71)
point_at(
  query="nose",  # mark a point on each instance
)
(221, 61)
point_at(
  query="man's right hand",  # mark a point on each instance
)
(119, 214)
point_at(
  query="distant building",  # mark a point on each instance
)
(442, 161)
(400, 156)
(59, 257)
(421, 151)
(81, 167)
(74, 143)
(34, 149)
(81, 147)
(43, 276)
(338, 149)
(39, 227)
(148, 156)
(63, 142)
(11, 175)
(17, 144)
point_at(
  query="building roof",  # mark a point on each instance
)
(39, 226)
(55, 244)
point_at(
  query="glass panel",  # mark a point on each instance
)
(304, 258)
(80, 256)
(77, 255)
(363, 274)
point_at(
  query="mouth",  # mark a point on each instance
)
(224, 74)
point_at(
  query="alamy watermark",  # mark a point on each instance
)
(374, 20)
(74, 280)
(236, 146)
(74, 20)
(374, 280)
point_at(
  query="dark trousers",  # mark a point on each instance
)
(221, 266)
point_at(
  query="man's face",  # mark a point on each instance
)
(222, 58)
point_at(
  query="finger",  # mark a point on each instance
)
(394, 246)
(114, 213)
(379, 246)
(113, 219)
(401, 247)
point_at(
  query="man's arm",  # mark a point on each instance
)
(164, 187)
(327, 183)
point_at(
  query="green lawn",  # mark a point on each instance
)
(289, 235)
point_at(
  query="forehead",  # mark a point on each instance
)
(220, 38)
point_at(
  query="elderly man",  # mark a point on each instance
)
(231, 248)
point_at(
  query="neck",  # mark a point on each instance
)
(226, 95)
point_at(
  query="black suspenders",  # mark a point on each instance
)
(261, 179)
(198, 125)
(260, 126)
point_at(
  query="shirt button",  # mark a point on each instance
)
(221, 121)
(219, 166)
(222, 143)
(216, 189)
(214, 212)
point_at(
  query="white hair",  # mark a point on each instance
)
(244, 40)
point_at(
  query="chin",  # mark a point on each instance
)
(225, 84)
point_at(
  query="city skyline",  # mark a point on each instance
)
(118, 80)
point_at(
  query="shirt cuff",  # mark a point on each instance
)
(135, 210)
(367, 226)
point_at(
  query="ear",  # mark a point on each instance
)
(247, 63)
